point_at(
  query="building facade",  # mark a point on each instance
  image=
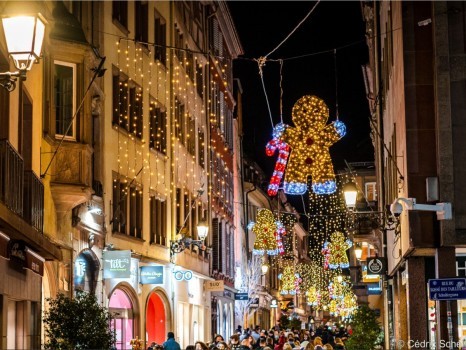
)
(415, 84)
(118, 144)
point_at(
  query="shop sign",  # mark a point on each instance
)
(117, 264)
(17, 252)
(34, 262)
(151, 275)
(241, 296)
(227, 294)
(376, 266)
(214, 286)
(374, 289)
(183, 275)
(274, 304)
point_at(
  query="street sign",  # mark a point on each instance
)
(447, 289)
(241, 296)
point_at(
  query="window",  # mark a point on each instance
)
(65, 99)
(200, 80)
(200, 148)
(127, 208)
(120, 100)
(179, 44)
(371, 191)
(191, 142)
(135, 111)
(158, 127)
(190, 65)
(141, 21)
(127, 104)
(180, 128)
(160, 35)
(158, 221)
(120, 12)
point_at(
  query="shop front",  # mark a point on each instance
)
(121, 282)
(20, 294)
(193, 312)
(158, 312)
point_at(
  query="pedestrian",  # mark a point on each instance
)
(328, 347)
(171, 343)
(218, 338)
(152, 346)
(234, 342)
(339, 345)
(201, 346)
(190, 347)
(221, 345)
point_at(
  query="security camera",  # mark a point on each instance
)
(396, 209)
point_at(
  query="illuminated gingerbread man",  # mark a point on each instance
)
(265, 229)
(336, 249)
(310, 140)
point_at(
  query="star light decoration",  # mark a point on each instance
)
(335, 251)
(265, 229)
(309, 140)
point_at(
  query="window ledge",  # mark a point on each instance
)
(127, 238)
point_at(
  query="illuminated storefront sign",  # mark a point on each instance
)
(117, 264)
(151, 275)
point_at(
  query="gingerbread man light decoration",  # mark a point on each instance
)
(335, 251)
(310, 140)
(265, 228)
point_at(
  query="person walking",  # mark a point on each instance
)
(171, 343)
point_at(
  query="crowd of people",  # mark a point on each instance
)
(323, 338)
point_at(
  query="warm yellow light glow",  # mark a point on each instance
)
(264, 229)
(202, 230)
(351, 192)
(358, 252)
(310, 140)
(24, 36)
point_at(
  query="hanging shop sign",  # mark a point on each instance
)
(34, 262)
(214, 286)
(17, 252)
(374, 289)
(183, 275)
(151, 275)
(376, 266)
(117, 264)
(241, 296)
(274, 304)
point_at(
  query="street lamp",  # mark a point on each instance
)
(358, 251)
(351, 193)
(24, 36)
(264, 266)
(180, 244)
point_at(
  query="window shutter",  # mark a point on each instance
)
(215, 246)
(221, 247)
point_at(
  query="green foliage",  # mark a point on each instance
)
(367, 333)
(286, 323)
(79, 323)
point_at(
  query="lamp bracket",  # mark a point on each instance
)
(8, 79)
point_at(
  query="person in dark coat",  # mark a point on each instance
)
(171, 343)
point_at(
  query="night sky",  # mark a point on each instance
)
(261, 26)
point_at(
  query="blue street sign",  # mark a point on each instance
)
(447, 289)
(241, 296)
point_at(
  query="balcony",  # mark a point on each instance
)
(33, 200)
(71, 181)
(21, 191)
(11, 181)
(22, 203)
